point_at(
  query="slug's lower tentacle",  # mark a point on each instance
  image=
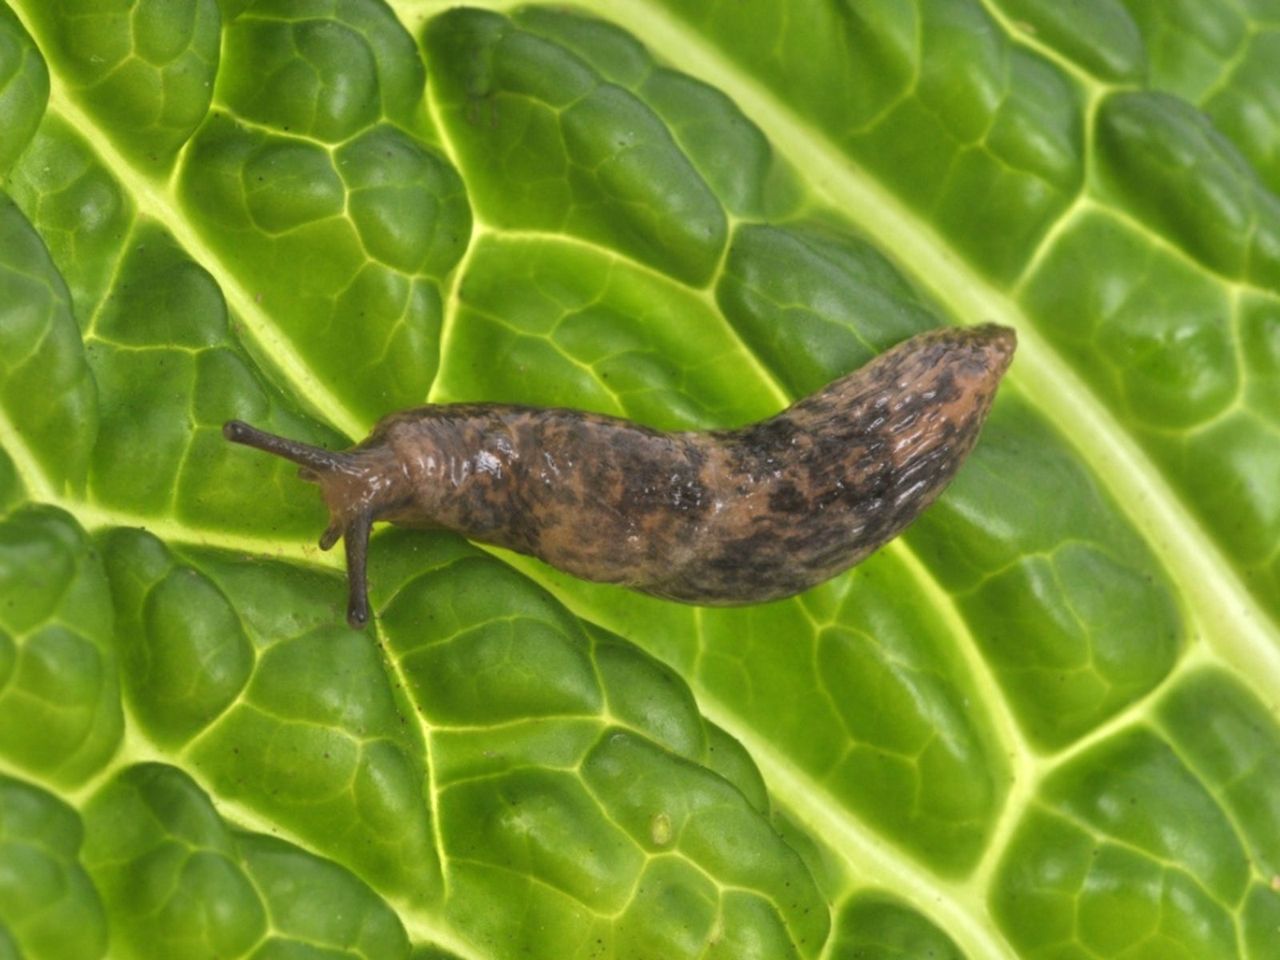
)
(332, 533)
(356, 540)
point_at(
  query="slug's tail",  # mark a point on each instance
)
(351, 512)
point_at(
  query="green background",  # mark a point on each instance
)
(1043, 724)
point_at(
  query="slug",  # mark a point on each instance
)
(720, 517)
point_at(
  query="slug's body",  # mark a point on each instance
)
(721, 517)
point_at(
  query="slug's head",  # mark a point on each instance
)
(356, 486)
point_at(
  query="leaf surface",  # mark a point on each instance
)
(1042, 724)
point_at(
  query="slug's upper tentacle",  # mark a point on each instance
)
(310, 459)
(723, 517)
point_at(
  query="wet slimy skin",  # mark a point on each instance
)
(720, 517)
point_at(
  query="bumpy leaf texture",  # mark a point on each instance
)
(1044, 724)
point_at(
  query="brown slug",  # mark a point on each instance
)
(720, 517)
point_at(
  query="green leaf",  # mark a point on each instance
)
(24, 87)
(60, 716)
(50, 906)
(143, 71)
(1042, 724)
(47, 386)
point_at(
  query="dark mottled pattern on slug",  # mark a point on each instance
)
(721, 517)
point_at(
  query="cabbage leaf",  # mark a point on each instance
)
(1045, 723)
